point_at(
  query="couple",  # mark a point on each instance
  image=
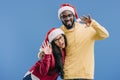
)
(68, 51)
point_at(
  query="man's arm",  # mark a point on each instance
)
(101, 32)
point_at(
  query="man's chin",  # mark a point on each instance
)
(69, 26)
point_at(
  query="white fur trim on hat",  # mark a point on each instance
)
(54, 34)
(65, 8)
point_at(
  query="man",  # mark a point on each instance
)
(79, 60)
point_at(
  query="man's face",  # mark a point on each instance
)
(67, 19)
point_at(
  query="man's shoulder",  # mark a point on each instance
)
(78, 24)
(62, 27)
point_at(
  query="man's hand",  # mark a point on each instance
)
(87, 20)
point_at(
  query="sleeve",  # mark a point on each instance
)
(101, 32)
(44, 64)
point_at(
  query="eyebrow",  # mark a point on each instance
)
(58, 38)
(67, 14)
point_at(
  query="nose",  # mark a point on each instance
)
(67, 18)
(60, 40)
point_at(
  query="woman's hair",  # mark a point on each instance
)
(58, 55)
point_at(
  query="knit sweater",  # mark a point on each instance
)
(79, 60)
(45, 69)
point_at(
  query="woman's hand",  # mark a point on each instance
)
(46, 47)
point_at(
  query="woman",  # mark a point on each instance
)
(51, 55)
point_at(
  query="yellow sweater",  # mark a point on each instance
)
(79, 60)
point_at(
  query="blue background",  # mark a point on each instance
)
(24, 24)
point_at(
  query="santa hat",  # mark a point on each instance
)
(69, 7)
(54, 32)
(50, 36)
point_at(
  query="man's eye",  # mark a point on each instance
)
(63, 16)
(70, 15)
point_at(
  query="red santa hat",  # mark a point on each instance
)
(69, 7)
(50, 36)
(52, 33)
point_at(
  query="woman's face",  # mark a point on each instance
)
(60, 41)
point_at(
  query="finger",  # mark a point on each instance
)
(85, 16)
(45, 44)
(83, 19)
(50, 45)
(89, 17)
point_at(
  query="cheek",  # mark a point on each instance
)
(62, 21)
(57, 44)
(72, 19)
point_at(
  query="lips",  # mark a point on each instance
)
(68, 23)
(62, 45)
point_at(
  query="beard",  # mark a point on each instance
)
(69, 26)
